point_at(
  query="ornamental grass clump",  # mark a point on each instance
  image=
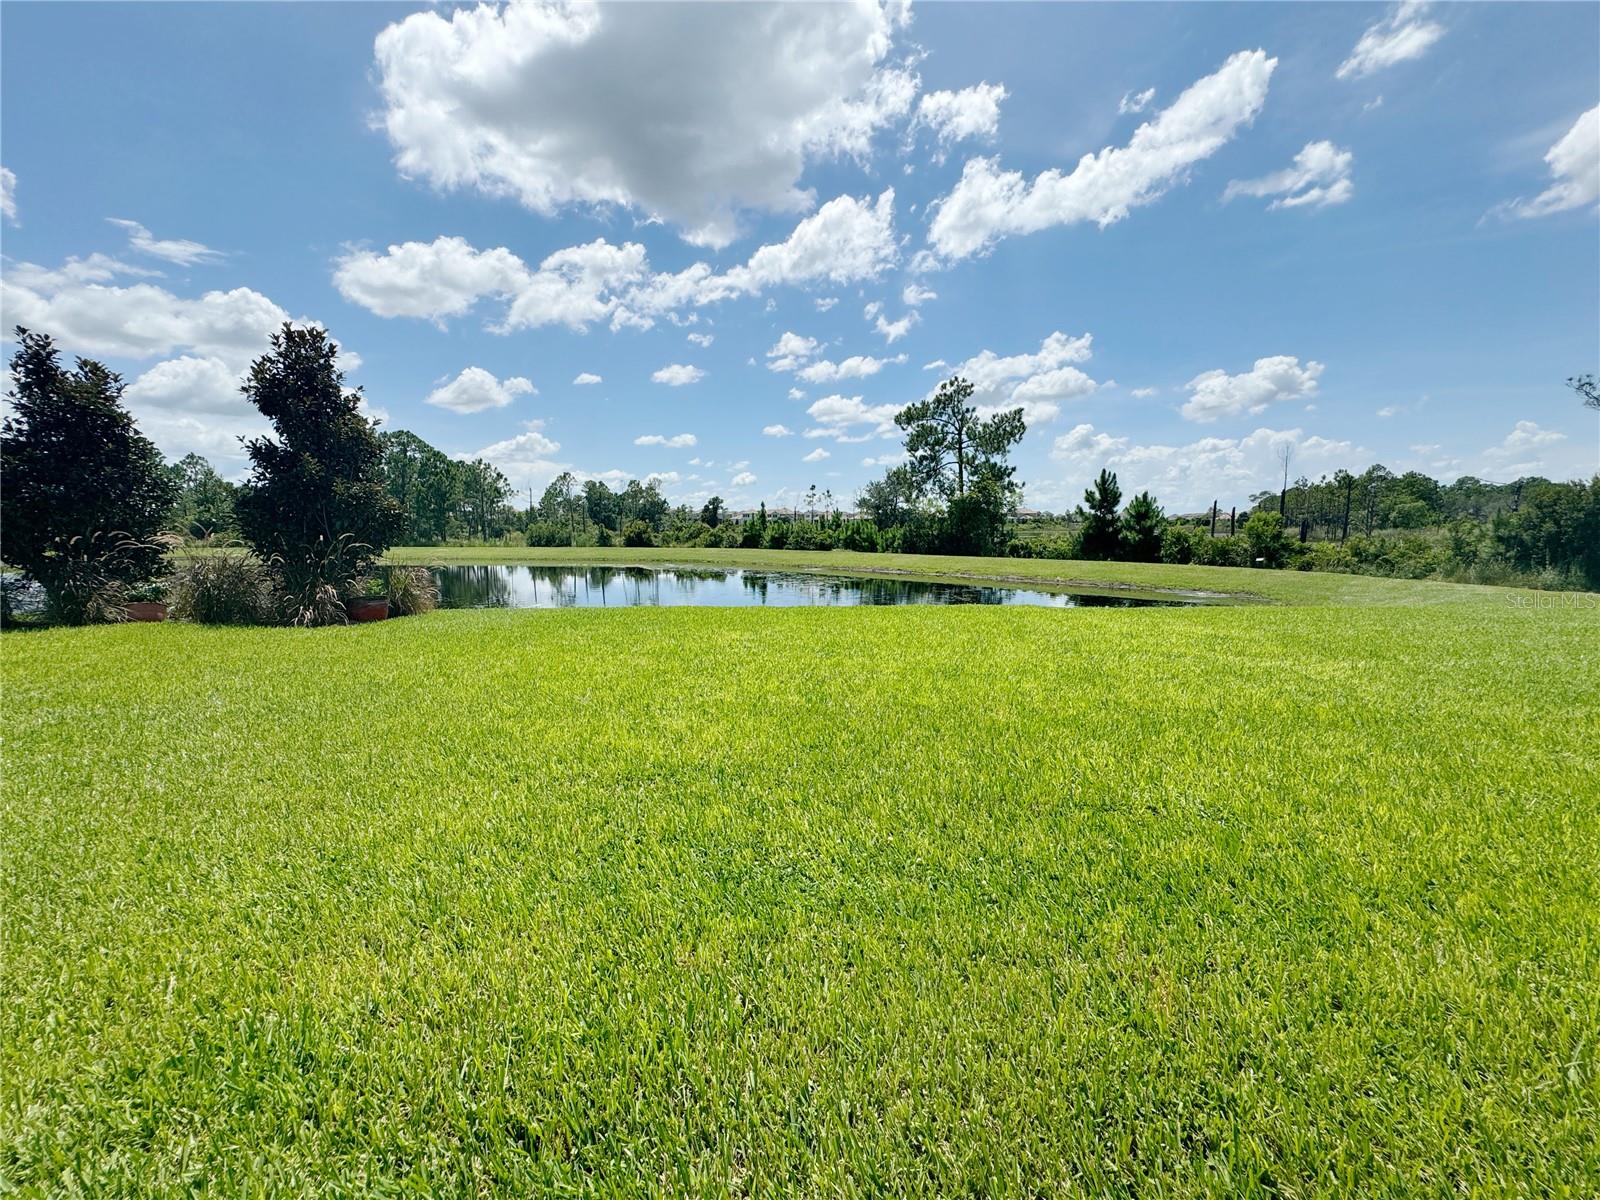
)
(411, 590)
(228, 587)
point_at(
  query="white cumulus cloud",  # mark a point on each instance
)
(790, 351)
(892, 459)
(1270, 381)
(525, 459)
(88, 313)
(690, 114)
(857, 366)
(586, 379)
(1575, 164)
(893, 331)
(777, 431)
(1189, 477)
(678, 374)
(844, 418)
(845, 241)
(1036, 382)
(972, 112)
(676, 442)
(1404, 34)
(816, 455)
(1522, 451)
(988, 204)
(475, 390)
(190, 384)
(192, 404)
(1319, 176)
(8, 194)
(431, 280)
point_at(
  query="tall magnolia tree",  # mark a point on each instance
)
(84, 492)
(315, 508)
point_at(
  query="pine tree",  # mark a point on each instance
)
(1101, 535)
(1142, 526)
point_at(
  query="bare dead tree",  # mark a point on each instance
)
(1285, 455)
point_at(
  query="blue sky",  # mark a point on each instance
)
(1366, 231)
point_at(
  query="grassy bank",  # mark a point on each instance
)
(1284, 587)
(1229, 901)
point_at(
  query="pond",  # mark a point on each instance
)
(627, 587)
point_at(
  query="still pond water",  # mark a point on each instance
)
(626, 587)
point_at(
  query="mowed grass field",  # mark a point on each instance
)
(1236, 901)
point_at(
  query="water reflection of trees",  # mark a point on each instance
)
(628, 587)
(827, 590)
(473, 587)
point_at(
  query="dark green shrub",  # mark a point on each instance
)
(1178, 544)
(861, 536)
(979, 522)
(1221, 551)
(85, 493)
(1323, 556)
(806, 535)
(548, 533)
(1269, 546)
(316, 508)
(638, 533)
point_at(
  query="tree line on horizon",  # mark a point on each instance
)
(328, 493)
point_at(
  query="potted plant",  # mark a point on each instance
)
(147, 602)
(370, 603)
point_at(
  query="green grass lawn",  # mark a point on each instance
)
(1235, 901)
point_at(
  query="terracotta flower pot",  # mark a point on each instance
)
(368, 608)
(146, 610)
